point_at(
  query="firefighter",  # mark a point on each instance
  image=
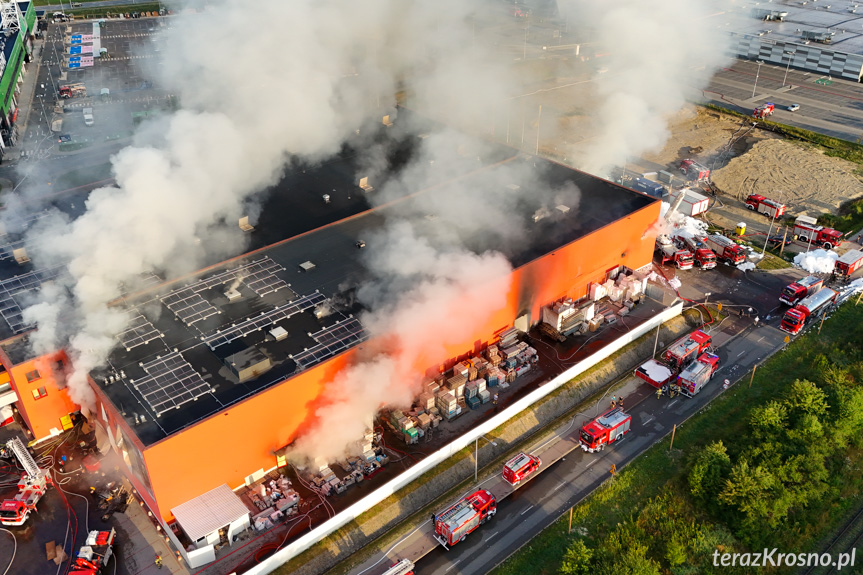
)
(658, 392)
(620, 403)
(158, 561)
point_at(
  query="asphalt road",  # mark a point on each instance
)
(540, 502)
(827, 105)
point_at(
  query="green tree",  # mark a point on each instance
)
(749, 490)
(770, 420)
(577, 559)
(806, 398)
(709, 472)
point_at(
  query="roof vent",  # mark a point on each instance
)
(562, 209)
(20, 256)
(364, 184)
(233, 294)
(326, 198)
(307, 266)
(387, 122)
(279, 333)
(245, 225)
(540, 214)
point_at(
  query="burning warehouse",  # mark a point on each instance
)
(215, 373)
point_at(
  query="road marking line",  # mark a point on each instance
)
(672, 403)
(526, 510)
(559, 486)
(762, 337)
(454, 563)
(492, 535)
(649, 419)
(742, 352)
(591, 463)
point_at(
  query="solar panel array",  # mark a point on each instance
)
(331, 341)
(260, 278)
(189, 306)
(170, 383)
(263, 320)
(139, 332)
(9, 308)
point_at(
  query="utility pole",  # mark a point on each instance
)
(784, 238)
(570, 520)
(673, 429)
(656, 342)
(753, 374)
(823, 317)
(538, 122)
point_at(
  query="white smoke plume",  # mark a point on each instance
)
(657, 55)
(255, 93)
(452, 292)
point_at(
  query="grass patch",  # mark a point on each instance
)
(835, 147)
(772, 262)
(647, 517)
(850, 218)
(93, 13)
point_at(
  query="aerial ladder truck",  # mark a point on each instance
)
(31, 487)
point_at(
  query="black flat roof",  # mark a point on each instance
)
(151, 378)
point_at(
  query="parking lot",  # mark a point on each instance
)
(121, 85)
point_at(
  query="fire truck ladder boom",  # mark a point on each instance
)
(24, 458)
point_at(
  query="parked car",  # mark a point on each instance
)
(793, 107)
(777, 241)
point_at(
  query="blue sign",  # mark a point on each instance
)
(75, 60)
(74, 65)
(75, 50)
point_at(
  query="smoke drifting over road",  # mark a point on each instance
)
(655, 56)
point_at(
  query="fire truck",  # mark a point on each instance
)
(402, 567)
(520, 467)
(811, 307)
(31, 487)
(694, 171)
(766, 206)
(686, 349)
(847, 264)
(457, 521)
(72, 91)
(806, 229)
(93, 556)
(655, 373)
(764, 110)
(609, 427)
(668, 252)
(801, 289)
(703, 255)
(696, 375)
(726, 249)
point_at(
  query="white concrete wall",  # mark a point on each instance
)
(363, 505)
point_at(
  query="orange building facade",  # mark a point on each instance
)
(242, 439)
(43, 401)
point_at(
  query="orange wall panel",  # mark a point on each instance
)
(42, 414)
(234, 443)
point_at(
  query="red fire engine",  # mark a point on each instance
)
(766, 206)
(403, 567)
(726, 249)
(520, 467)
(806, 229)
(457, 521)
(693, 379)
(655, 373)
(703, 255)
(813, 306)
(801, 289)
(668, 252)
(694, 171)
(609, 427)
(686, 349)
(763, 110)
(847, 264)
(31, 487)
